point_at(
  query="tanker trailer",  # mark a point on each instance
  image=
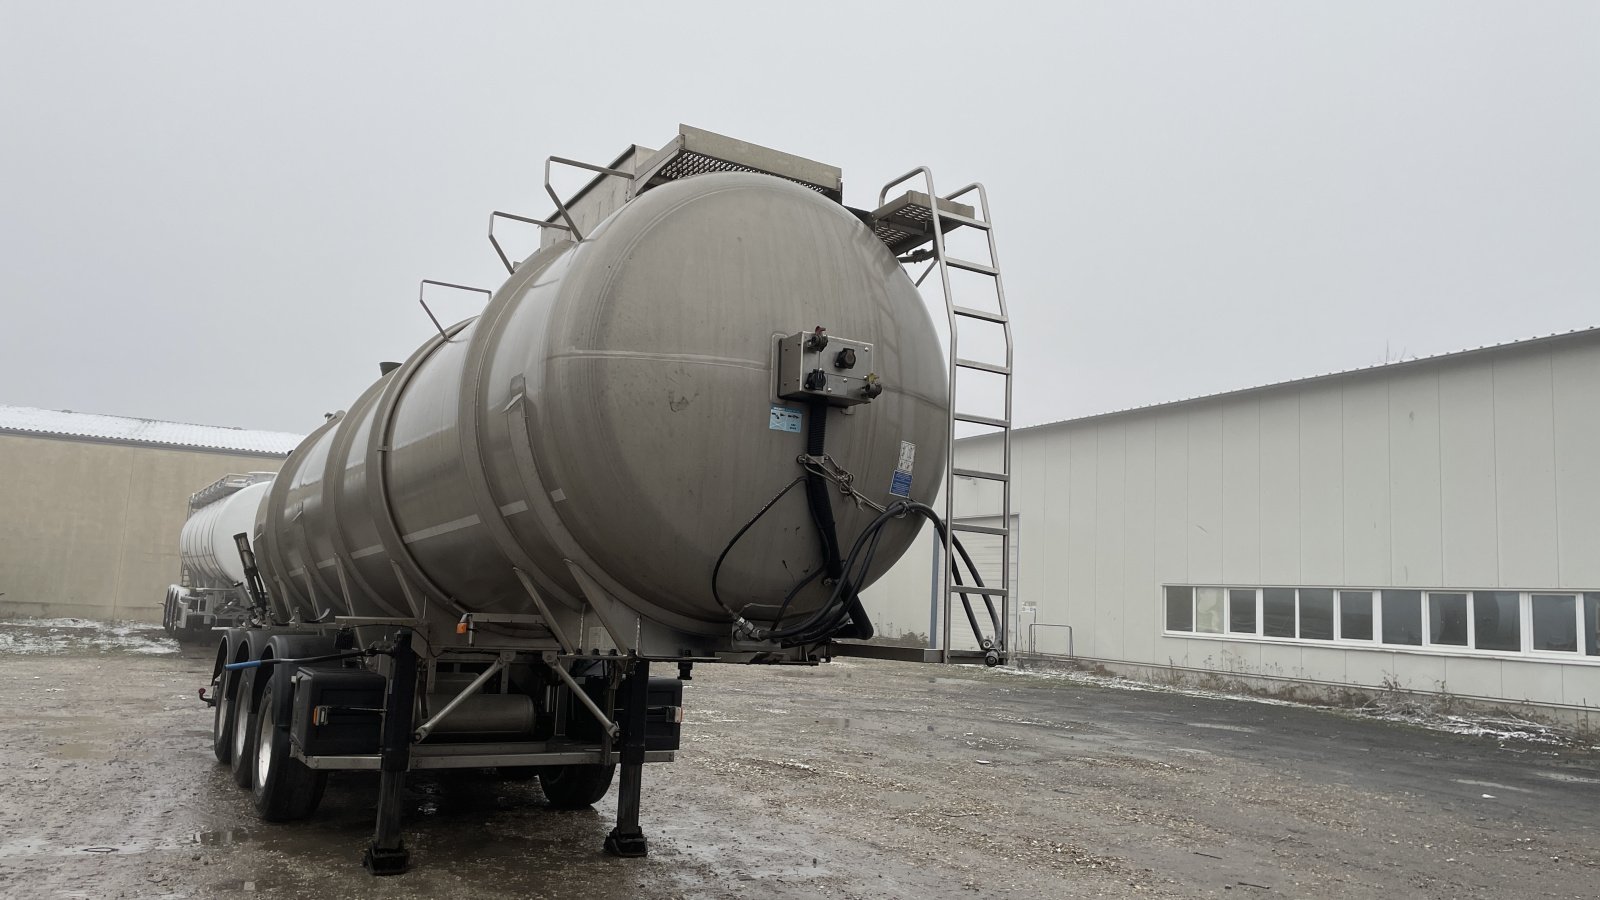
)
(690, 428)
(210, 589)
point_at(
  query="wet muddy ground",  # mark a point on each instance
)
(854, 780)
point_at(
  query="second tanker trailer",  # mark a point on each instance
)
(690, 428)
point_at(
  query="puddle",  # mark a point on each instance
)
(225, 837)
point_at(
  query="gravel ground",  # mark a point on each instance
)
(853, 780)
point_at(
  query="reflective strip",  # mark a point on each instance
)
(367, 551)
(511, 509)
(435, 531)
(326, 564)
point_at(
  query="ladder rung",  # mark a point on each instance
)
(982, 420)
(974, 589)
(983, 366)
(970, 266)
(979, 473)
(978, 529)
(963, 220)
(971, 313)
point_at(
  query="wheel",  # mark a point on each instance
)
(575, 787)
(285, 789)
(222, 717)
(244, 727)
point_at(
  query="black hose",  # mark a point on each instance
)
(717, 569)
(994, 617)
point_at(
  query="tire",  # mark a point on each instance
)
(577, 786)
(285, 789)
(222, 717)
(242, 761)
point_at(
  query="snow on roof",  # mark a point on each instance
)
(149, 432)
(1576, 333)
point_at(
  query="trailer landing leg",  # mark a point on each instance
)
(387, 854)
(627, 840)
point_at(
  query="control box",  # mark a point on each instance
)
(816, 365)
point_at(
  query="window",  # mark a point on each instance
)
(1277, 612)
(1555, 622)
(1180, 608)
(1402, 617)
(1497, 620)
(1242, 611)
(1442, 621)
(1447, 619)
(1316, 614)
(1355, 615)
(1208, 610)
(1591, 624)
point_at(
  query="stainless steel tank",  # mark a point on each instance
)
(610, 413)
(205, 545)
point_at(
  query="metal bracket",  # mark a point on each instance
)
(611, 728)
(423, 287)
(544, 610)
(426, 728)
(561, 207)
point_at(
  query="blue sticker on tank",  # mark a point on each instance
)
(785, 419)
(900, 486)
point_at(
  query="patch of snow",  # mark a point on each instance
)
(1499, 727)
(45, 636)
(1117, 682)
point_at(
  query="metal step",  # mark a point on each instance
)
(975, 589)
(978, 529)
(971, 313)
(981, 420)
(983, 366)
(979, 473)
(970, 266)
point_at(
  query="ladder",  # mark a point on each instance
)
(906, 224)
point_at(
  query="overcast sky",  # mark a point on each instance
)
(219, 213)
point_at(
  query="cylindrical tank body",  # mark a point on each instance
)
(206, 542)
(610, 411)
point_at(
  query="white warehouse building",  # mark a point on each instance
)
(1431, 525)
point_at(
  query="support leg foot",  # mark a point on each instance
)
(380, 861)
(627, 845)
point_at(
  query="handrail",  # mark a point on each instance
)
(562, 207)
(1033, 637)
(511, 267)
(423, 286)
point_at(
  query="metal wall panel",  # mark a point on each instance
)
(1111, 463)
(1241, 492)
(1368, 543)
(1204, 528)
(1321, 486)
(1466, 476)
(1105, 613)
(1172, 498)
(1576, 381)
(1524, 432)
(1418, 550)
(1280, 489)
(1141, 600)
